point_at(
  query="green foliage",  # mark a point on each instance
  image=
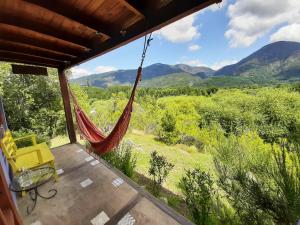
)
(32, 103)
(172, 80)
(261, 181)
(122, 158)
(28, 142)
(168, 133)
(4, 71)
(296, 87)
(158, 171)
(197, 188)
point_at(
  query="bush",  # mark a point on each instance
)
(159, 170)
(190, 140)
(28, 142)
(122, 158)
(197, 188)
(262, 182)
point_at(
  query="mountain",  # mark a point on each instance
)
(273, 63)
(174, 80)
(197, 70)
(158, 70)
(279, 60)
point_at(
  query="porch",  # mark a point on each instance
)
(61, 35)
(111, 198)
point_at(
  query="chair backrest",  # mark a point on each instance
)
(8, 145)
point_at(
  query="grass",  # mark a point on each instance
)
(62, 140)
(182, 156)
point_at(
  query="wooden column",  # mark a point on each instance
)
(67, 106)
(8, 211)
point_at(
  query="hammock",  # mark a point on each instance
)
(99, 141)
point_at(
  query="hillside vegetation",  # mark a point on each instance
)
(229, 155)
(227, 134)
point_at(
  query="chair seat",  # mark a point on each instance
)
(30, 160)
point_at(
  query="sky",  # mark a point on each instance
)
(217, 36)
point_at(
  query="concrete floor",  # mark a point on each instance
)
(111, 198)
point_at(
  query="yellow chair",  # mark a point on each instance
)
(28, 157)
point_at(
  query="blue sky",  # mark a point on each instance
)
(217, 36)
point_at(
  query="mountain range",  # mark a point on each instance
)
(273, 63)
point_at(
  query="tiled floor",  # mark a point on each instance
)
(89, 192)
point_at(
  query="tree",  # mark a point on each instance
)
(33, 103)
(168, 133)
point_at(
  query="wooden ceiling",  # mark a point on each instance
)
(64, 33)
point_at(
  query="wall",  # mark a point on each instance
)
(3, 162)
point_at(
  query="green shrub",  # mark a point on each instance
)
(168, 133)
(28, 142)
(158, 171)
(190, 140)
(262, 182)
(122, 158)
(197, 188)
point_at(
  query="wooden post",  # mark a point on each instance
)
(67, 106)
(8, 211)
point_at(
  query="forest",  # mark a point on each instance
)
(216, 155)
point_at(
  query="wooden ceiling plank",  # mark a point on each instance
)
(2, 59)
(44, 29)
(75, 15)
(27, 49)
(131, 6)
(174, 11)
(39, 43)
(29, 58)
(34, 52)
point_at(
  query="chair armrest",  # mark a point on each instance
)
(31, 136)
(37, 150)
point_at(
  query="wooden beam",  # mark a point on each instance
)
(67, 105)
(74, 14)
(133, 8)
(174, 11)
(47, 30)
(32, 70)
(2, 59)
(33, 50)
(30, 58)
(31, 39)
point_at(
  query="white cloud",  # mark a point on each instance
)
(287, 33)
(193, 62)
(219, 65)
(82, 72)
(104, 69)
(193, 48)
(79, 72)
(183, 30)
(251, 20)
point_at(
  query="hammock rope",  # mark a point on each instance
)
(101, 143)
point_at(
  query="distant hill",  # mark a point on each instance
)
(173, 80)
(158, 70)
(273, 63)
(279, 60)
